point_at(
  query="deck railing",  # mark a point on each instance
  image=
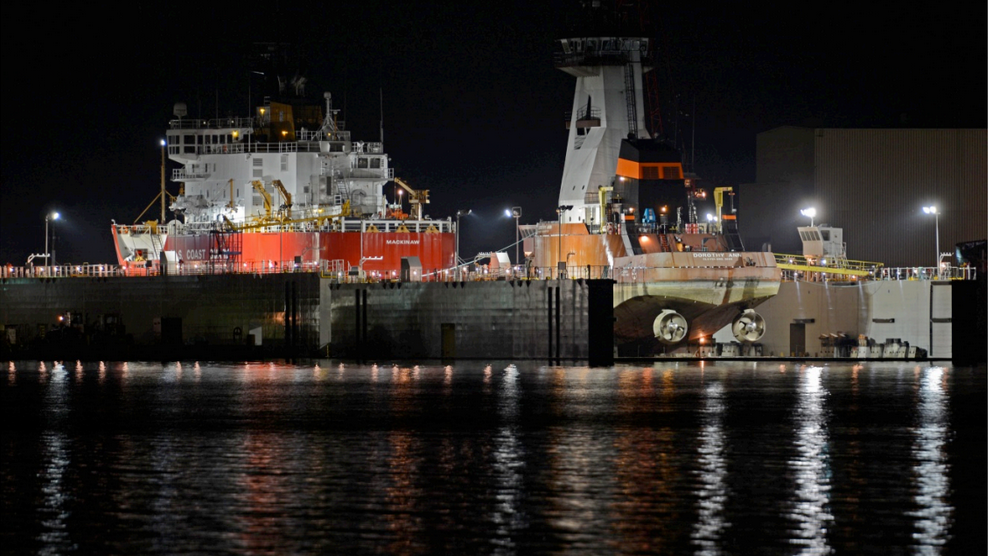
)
(338, 270)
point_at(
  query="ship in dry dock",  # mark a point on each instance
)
(628, 211)
(285, 187)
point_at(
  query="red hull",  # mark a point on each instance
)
(434, 250)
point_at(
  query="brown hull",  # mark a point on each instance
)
(708, 288)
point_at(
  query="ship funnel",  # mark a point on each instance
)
(180, 110)
(670, 327)
(749, 326)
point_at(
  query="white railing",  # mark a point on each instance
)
(85, 270)
(929, 273)
(335, 268)
(220, 123)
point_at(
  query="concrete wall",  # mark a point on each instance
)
(487, 320)
(207, 309)
(491, 320)
(904, 309)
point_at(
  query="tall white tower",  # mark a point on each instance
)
(608, 107)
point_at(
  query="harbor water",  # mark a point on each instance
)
(477, 458)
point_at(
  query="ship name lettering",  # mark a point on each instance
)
(714, 255)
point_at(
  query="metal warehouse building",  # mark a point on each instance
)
(873, 183)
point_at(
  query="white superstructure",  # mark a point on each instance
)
(608, 107)
(319, 169)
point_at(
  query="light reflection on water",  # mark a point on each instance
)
(711, 473)
(811, 466)
(932, 483)
(270, 458)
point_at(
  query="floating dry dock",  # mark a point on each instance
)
(302, 314)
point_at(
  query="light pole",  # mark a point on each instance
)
(560, 264)
(932, 209)
(163, 145)
(516, 213)
(456, 259)
(809, 213)
(48, 218)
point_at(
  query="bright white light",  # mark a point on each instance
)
(930, 209)
(55, 215)
(809, 212)
(507, 212)
(711, 218)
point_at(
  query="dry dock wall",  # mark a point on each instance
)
(914, 311)
(301, 314)
(162, 316)
(481, 320)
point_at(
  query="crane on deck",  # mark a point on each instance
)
(267, 197)
(417, 198)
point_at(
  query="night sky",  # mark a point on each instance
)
(473, 108)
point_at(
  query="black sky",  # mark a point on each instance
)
(473, 109)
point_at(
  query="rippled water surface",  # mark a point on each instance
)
(269, 458)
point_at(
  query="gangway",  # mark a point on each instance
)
(847, 269)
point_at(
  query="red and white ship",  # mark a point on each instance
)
(286, 188)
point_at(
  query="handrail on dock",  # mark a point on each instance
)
(335, 270)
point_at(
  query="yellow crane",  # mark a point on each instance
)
(602, 191)
(267, 197)
(285, 196)
(416, 198)
(719, 204)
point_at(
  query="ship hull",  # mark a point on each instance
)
(702, 281)
(381, 253)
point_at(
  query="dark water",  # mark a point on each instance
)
(263, 458)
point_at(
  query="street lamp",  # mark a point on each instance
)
(48, 218)
(163, 145)
(515, 212)
(559, 234)
(456, 261)
(809, 213)
(933, 210)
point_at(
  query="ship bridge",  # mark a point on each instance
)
(582, 56)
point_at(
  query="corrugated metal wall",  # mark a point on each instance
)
(873, 183)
